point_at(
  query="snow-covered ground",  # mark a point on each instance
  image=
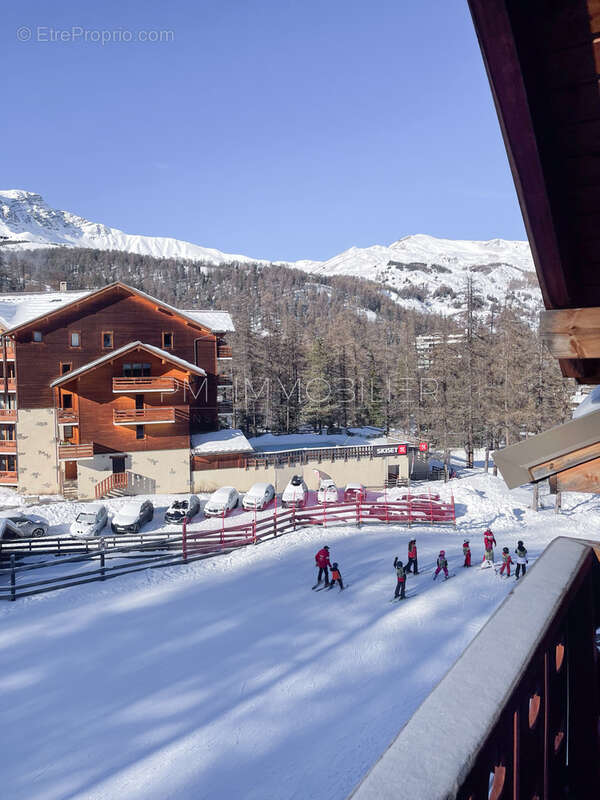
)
(229, 678)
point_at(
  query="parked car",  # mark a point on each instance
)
(354, 492)
(328, 491)
(295, 493)
(222, 501)
(23, 526)
(185, 508)
(90, 521)
(258, 496)
(131, 517)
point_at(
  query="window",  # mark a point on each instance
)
(67, 401)
(139, 431)
(137, 370)
(65, 366)
(75, 339)
(37, 336)
(139, 401)
(68, 432)
(167, 340)
(107, 340)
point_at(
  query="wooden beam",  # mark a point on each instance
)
(580, 456)
(582, 478)
(571, 332)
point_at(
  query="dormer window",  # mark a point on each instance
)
(37, 336)
(167, 340)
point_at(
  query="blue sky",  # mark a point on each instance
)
(276, 129)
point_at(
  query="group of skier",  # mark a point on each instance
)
(324, 564)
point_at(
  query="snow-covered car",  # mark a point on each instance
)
(354, 492)
(184, 508)
(22, 526)
(222, 501)
(89, 522)
(131, 517)
(295, 493)
(328, 491)
(258, 496)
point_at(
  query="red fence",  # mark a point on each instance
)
(411, 510)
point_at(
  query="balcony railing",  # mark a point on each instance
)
(8, 445)
(8, 414)
(8, 478)
(66, 416)
(144, 416)
(10, 351)
(140, 385)
(12, 384)
(73, 452)
(224, 351)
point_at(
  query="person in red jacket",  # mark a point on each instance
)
(412, 557)
(489, 540)
(467, 553)
(506, 562)
(322, 562)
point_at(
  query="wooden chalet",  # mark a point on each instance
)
(109, 383)
(543, 63)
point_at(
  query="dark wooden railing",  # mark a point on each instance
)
(71, 452)
(140, 385)
(139, 416)
(282, 458)
(8, 445)
(534, 731)
(8, 414)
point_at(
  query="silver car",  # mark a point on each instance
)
(22, 526)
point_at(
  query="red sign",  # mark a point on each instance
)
(402, 449)
(423, 447)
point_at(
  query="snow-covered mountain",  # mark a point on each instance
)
(420, 272)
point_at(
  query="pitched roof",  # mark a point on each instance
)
(68, 376)
(20, 311)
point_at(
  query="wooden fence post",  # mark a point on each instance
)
(184, 541)
(13, 593)
(535, 498)
(558, 503)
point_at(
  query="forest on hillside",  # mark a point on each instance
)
(340, 351)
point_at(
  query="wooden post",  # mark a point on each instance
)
(535, 497)
(13, 593)
(495, 470)
(184, 541)
(102, 564)
(486, 463)
(558, 503)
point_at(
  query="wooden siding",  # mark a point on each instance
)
(97, 403)
(130, 318)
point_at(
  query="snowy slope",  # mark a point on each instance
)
(500, 268)
(231, 679)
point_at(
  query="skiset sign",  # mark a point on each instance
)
(383, 450)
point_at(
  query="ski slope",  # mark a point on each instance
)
(230, 678)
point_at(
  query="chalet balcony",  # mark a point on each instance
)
(8, 479)
(140, 385)
(8, 415)
(66, 416)
(224, 351)
(73, 452)
(8, 445)
(144, 416)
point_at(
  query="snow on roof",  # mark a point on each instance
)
(228, 440)
(411, 766)
(588, 404)
(17, 309)
(68, 376)
(217, 321)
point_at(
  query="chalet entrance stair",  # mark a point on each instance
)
(120, 484)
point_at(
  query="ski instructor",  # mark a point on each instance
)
(322, 562)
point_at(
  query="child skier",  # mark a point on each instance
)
(400, 579)
(322, 562)
(466, 553)
(506, 562)
(442, 564)
(489, 540)
(412, 557)
(336, 575)
(521, 553)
